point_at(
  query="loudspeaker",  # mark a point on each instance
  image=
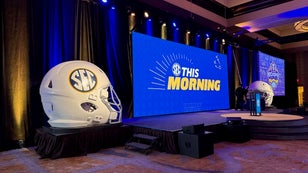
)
(237, 133)
(193, 129)
(234, 121)
(196, 145)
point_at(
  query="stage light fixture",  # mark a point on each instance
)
(146, 14)
(223, 41)
(104, 1)
(207, 36)
(174, 24)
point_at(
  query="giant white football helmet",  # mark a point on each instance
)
(265, 89)
(78, 94)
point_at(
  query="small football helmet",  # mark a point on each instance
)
(78, 94)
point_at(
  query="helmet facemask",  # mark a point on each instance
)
(110, 99)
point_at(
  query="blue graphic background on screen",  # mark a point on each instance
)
(271, 71)
(156, 60)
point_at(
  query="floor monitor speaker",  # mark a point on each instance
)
(196, 145)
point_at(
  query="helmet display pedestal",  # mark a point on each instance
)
(57, 143)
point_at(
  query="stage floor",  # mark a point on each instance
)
(264, 116)
(175, 122)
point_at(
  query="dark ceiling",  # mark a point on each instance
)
(243, 8)
(268, 22)
(248, 7)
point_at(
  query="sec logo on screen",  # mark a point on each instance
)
(176, 69)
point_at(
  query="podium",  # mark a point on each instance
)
(255, 103)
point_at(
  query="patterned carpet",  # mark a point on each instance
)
(254, 156)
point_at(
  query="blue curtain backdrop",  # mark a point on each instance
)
(244, 64)
(230, 61)
(255, 63)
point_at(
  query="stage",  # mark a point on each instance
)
(175, 122)
(264, 116)
(272, 124)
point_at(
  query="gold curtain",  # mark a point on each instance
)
(15, 65)
(84, 30)
(250, 63)
(237, 64)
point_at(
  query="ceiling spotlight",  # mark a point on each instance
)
(301, 26)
